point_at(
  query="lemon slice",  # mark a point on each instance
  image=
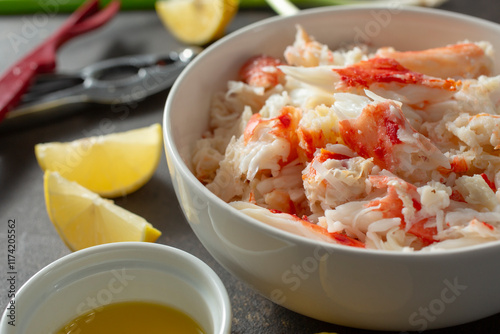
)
(109, 165)
(196, 21)
(83, 219)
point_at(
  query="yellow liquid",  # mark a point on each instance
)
(132, 318)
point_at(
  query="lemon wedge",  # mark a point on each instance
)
(83, 219)
(110, 165)
(196, 22)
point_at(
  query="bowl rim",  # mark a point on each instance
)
(213, 281)
(187, 175)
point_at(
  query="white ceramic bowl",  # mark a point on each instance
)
(128, 271)
(352, 287)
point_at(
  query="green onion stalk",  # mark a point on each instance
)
(282, 7)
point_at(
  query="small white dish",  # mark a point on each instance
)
(118, 272)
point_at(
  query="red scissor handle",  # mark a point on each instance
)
(15, 82)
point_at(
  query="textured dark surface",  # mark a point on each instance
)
(21, 185)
